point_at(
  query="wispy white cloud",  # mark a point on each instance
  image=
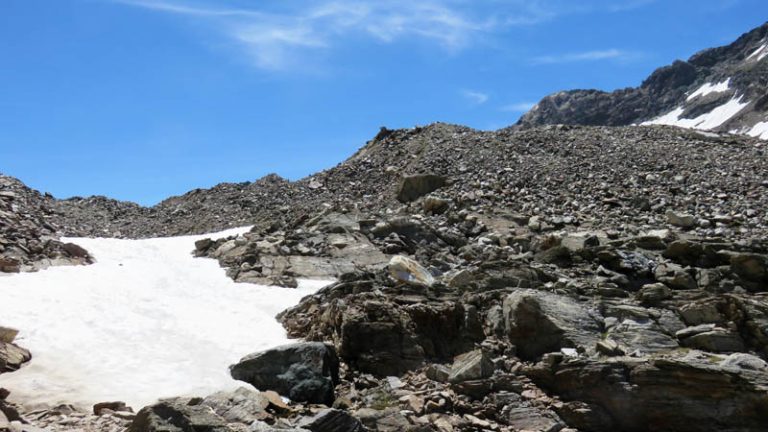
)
(279, 35)
(183, 9)
(475, 97)
(273, 40)
(518, 107)
(608, 54)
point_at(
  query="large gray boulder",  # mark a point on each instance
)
(240, 406)
(303, 372)
(538, 322)
(178, 415)
(415, 186)
(681, 391)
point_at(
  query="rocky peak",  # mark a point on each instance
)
(723, 89)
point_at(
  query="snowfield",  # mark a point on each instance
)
(708, 121)
(146, 321)
(708, 88)
(759, 130)
(759, 53)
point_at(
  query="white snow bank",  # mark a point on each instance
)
(759, 130)
(759, 53)
(146, 321)
(708, 88)
(710, 120)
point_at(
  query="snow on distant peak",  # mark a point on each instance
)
(759, 130)
(759, 53)
(708, 88)
(708, 121)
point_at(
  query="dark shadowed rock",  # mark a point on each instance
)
(304, 372)
(332, 420)
(100, 407)
(752, 267)
(415, 186)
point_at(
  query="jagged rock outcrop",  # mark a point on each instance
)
(28, 238)
(720, 89)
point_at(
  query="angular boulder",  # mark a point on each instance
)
(752, 267)
(653, 294)
(539, 322)
(406, 270)
(240, 406)
(332, 420)
(682, 220)
(12, 357)
(473, 365)
(415, 186)
(178, 415)
(303, 372)
(714, 340)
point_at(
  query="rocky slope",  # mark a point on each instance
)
(574, 278)
(28, 239)
(722, 89)
(623, 180)
(199, 211)
(561, 278)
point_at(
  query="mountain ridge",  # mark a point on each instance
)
(686, 93)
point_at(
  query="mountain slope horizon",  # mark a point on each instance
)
(722, 89)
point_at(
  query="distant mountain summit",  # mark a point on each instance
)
(722, 89)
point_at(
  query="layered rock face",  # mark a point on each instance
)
(721, 89)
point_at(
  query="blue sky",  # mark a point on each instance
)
(143, 99)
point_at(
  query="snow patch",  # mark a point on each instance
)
(759, 130)
(148, 320)
(710, 120)
(708, 88)
(759, 53)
